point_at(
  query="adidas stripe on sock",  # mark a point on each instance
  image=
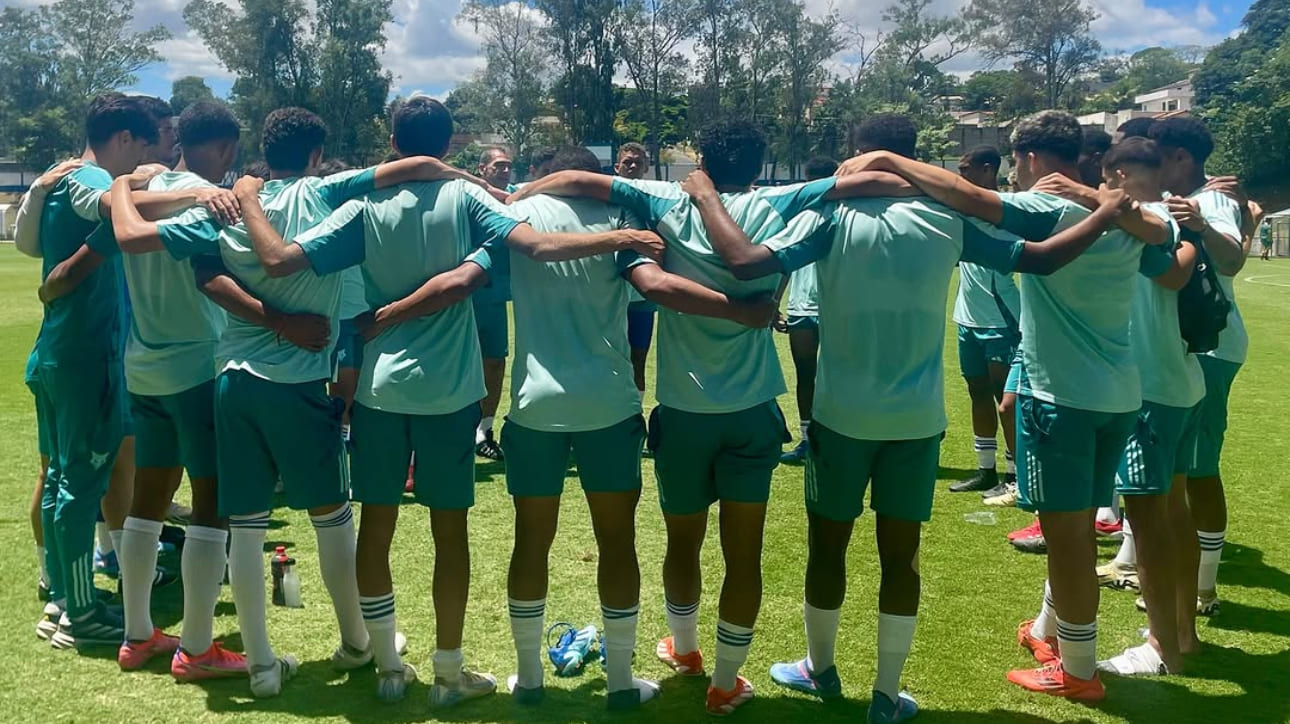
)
(378, 617)
(1078, 642)
(986, 449)
(337, 551)
(732, 651)
(620, 642)
(527, 624)
(1211, 553)
(683, 622)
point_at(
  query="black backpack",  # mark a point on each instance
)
(1203, 306)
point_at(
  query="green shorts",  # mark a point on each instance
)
(349, 346)
(177, 430)
(1067, 457)
(494, 328)
(1154, 449)
(44, 436)
(444, 445)
(609, 459)
(82, 410)
(839, 469)
(266, 431)
(702, 458)
(981, 347)
(803, 323)
(1211, 426)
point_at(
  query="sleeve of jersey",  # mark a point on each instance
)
(494, 259)
(84, 187)
(338, 188)
(628, 260)
(649, 200)
(1221, 213)
(189, 234)
(1030, 215)
(103, 241)
(490, 220)
(990, 246)
(789, 201)
(339, 242)
(806, 239)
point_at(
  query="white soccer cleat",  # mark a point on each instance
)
(267, 681)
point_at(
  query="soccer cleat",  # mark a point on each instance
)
(882, 710)
(797, 454)
(47, 626)
(1007, 500)
(722, 703)
(1044, 650)
(1207, 603)
(133, 655)
(179, 514)
(99, 627)
(1052, 679)
(42, 590)
(1114, 531)
(523, 696)
(1036, 544)
(216, 663)
(392, 686)
(1118, 576)
(996, 491)
(631, 699)
(1140, 660)
(348, 658)
(489, 449)
(267, 680)
(573, 649)
(1029, 531)
(799, 677)
(471, 685)
(984, 479)
(106, 563)
(690, 664)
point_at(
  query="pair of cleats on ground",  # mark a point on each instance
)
(796, 676)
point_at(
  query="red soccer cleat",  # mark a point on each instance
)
(216, 663)
(1030, 531)
(1044, 650)
(134, 655)
(723, 703)
(1052, 679)
(690, 664)
(1114, 531)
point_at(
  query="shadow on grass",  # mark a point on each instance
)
(1244, 566)
(1241, 618)
(955, 474)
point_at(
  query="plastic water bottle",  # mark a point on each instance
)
(981, 518)
(291, 585)
(277, 565)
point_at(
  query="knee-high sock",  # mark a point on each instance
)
(246, 574)
(337, 550)
(202, 564)
(137, 556)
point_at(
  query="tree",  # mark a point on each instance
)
(509, 94)
(648, 40)
(188, 90)
(98, 50)
(1005, 92)
(1236, 58)
(583, 33)
(352, 85)
(720, 37)
(1153, 68)
(1050, 36)
(1252, 127)
(807, 44)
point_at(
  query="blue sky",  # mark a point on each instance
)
(429, 52)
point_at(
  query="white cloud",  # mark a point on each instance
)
(187, 55)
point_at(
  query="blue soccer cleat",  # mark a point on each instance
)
(882, 710)
(799, 677)
(573, 649)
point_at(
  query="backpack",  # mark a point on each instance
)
(1203, 306)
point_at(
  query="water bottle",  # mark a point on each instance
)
(278, 566)
(291, 585)
(980, 518)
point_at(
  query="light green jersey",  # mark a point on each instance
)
(803, 293)
(1075, 349)
(173, 329)
(708, 365)
(986, 299)
(572, 370)
(353, 298)
(884, 268)
(1169, 375)
(293, 206)
(87, 323)
(402, 236)
(1223, 214)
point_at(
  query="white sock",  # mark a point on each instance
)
(805, 427)
(1127, 556)
(344, 432)
(485, 427)
(447, 666)
(1078, 644)
(1138, 660)
(683, 623)
(1010, 462)
(337, 550)
(246, 576)
(202, 564)
(1045, 625)
(378, 617)
(895, 639)
(40, 559)
(732, 651)
(527, 626)
(821, 636)
(986, 449)
(136, 553)
(1211, 552)
(620, 643)
(103, 538)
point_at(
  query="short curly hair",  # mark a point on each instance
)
(733, 151)
(291, 135)
(1053, 132)
(1186, 132)
(205, 122)
(892, 132)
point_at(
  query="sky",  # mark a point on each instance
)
(428, 51)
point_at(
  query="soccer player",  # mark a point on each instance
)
(1265, 242)
(1079, 390)
(884, 268)
(166, 150)
(633, 163)
(1093, 146)
(491, 317)
(985, 312)
(80, 395)
(421, 380)
(803, 328)
(717, 434)
(1186, 144)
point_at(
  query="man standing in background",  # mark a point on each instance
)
(495, 167)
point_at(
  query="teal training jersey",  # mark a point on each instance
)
(986, 299)
(572, 370)
(1223, 214)
(884, 268)
(1169, 375)
(353, 298)
(803, 293)
(708, 365)
(87, 323)
(402, 236)
(173, 328)
(1075, 349)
